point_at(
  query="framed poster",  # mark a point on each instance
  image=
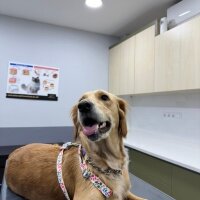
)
(26, 81)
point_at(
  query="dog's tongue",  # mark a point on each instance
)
(89, 130)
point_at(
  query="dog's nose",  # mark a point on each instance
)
(85, 106)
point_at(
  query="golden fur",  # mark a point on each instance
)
(31, 170)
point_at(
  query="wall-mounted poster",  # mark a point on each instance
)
(26, 81)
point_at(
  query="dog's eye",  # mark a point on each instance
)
(104, 97)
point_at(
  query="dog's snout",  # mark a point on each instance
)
(85, 106)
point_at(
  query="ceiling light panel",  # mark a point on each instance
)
(94, 3)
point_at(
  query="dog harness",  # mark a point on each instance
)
(87, 174)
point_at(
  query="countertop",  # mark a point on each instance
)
(168, 152)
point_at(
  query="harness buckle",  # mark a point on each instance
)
(86, 174)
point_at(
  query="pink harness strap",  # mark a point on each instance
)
(96, 181)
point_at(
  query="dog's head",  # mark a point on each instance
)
(98, 114)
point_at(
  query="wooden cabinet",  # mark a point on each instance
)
(121, 68)
(144, 61)
(190, 54)
(131, 66)
(167, 61)
(177, 58)
(114, 66)
(126, 85)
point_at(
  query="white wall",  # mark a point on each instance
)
(81, 56)
(167, 126)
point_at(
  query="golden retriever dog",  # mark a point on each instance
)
(100, 126)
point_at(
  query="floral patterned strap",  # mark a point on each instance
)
(96, 181)
(59, 167)
(59, 174)
(106, 191)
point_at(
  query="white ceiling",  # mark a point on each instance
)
(116, 17)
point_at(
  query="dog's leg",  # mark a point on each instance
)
(131, 196)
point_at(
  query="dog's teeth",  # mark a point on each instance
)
(102, 125)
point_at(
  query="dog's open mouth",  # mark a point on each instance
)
(92, 128)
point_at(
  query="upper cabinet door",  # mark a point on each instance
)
(114, 66)
(190, 54)
(177, 58)
(121, 67)
(167, 61)
(144, 61)
(126, 85)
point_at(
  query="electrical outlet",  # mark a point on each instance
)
(172, 115)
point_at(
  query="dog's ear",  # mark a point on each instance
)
(74, 116)
(122, 107)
